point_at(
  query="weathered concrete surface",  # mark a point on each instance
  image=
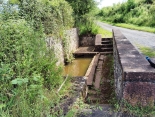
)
(73, 39)
(134, 77)
(142, 93)
(99, 71)
(98, 39)
(87, 40)
(91, 70)
(56, 44)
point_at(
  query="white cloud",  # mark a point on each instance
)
(105, 3)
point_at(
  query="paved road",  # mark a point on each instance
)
(135, 37)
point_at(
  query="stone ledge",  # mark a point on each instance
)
(134, 77)
(131, 60)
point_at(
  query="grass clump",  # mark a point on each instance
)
(138, 110)
(95, 29)
(147, 51)
(26, 71)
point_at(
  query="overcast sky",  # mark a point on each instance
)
(105, 3)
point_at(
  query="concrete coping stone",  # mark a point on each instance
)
(133, 63)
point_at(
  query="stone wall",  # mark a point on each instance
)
(57, 46)
(73, 39)
(87, 40)
(134, 77)
(71, 43)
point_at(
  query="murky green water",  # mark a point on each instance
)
(78, 67)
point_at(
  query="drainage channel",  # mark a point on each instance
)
(100, 80)
(97, 72)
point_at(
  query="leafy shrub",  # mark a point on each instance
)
(26, 68)
(137, 12)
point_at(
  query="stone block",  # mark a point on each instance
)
(139, 93)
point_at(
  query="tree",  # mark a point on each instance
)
(81, 8)
(54, 16)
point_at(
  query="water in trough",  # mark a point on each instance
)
(78, 67)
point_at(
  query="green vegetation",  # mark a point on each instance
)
(102, 31)
(135, 27)
(84, 15)
(147, 51)
(95, 29)
(138, 110)
(136, 12)
(29, 75)
(26, 71)
(83, 11)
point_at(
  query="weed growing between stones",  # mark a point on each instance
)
(137, 110)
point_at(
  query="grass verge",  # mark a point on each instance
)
(132, 26)
(95, 29)
(103, 32)
(135, 27)
(147, 51)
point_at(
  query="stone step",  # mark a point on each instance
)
(92, 53)
(106, 53)
(106, 42)
(104, 39)
(107, 45)
(106, 49)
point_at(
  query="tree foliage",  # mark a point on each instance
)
(56, 16)
(138, 12)
(82, 10)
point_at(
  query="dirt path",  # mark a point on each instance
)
(134, 36)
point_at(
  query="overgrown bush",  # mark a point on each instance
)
(56, 16)
(27, 68)
(137, 12)
(84, 14)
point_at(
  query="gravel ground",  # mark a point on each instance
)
(134, 36)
